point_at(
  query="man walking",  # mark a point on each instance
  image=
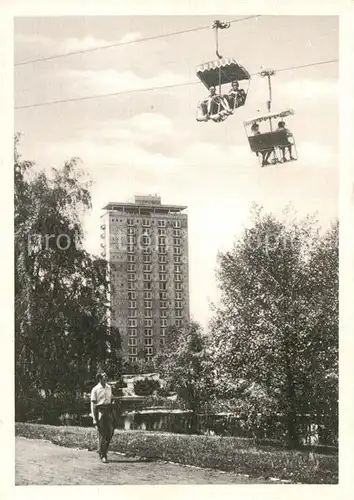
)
(101, 397)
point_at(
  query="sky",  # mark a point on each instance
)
(150, 143)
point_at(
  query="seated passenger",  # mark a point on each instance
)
(265, 153)
(214, 107)
(281, 127)
(236, 97)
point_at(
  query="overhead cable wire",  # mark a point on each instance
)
(162, 87)
(128, 42)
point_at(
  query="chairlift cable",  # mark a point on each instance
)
(162, 87)
(129, 42)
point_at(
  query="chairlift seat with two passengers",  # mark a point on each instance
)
(217, 74)
(275, 141)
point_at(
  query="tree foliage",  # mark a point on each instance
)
(61, 328)
(185, 366)
(277, 326)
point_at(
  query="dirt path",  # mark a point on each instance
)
(41, 462)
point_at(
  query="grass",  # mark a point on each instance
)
(230, 454)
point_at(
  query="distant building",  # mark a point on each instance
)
(146, 245)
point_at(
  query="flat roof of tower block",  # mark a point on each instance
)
(145, 205)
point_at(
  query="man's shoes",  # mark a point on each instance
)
(104, 460)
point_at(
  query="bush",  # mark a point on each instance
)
(146, 387)
(225, 453)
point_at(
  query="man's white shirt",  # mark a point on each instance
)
(101, 395)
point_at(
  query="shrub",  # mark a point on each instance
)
(146, 387)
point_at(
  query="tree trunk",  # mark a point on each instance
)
(291, 407)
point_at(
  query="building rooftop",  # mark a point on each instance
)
(148, 202)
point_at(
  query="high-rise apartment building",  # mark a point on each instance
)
(146, 245)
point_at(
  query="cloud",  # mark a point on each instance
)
(78, 44)
(73, 44)
(144, 129)
(215, 155)
(304, 89)
(121, 154)
(317, 154)
(130, 37)
(111, 80)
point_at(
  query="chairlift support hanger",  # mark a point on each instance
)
(219, 25)
(268, 73)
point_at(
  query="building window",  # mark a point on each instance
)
(162, 240)
(147, 295)
(162, 223)
(131, 267)
(163, 304)
(163, 322)
(162, 232)
(148, 350)
(132, 296)
(147, 250)
(162, 259)
(148, 358)
(131, 240)
(177, 269)
(132, 341)
(132, 322)
(131, 276)
(179, 305)
(178, 295)
(148, 313)
(132, 313)
(130, 222)
(178, 277)
(148, 323)
(162, 341)
(132, 332)
(147, 258)
(163, 285)
(148, 342)
(162, 268)
(132, 303)
(146, 240)
(147, 277)
(177, 241)
(146, 222)
(131, 230)
(176, 224)
(162, 332)
(179, 313)
(147, 285)
(148, 332)
(146, 232)
(162, 250)
(163, 277)
(163, 314)
(132, 359)
(177, 250)
(148, 304)
(131, 248)
(177, 259)
(131, 258)
(133, 350)
(178, 322)
(132, 286)
(177, 232)
(147, 267)
(163, 295)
